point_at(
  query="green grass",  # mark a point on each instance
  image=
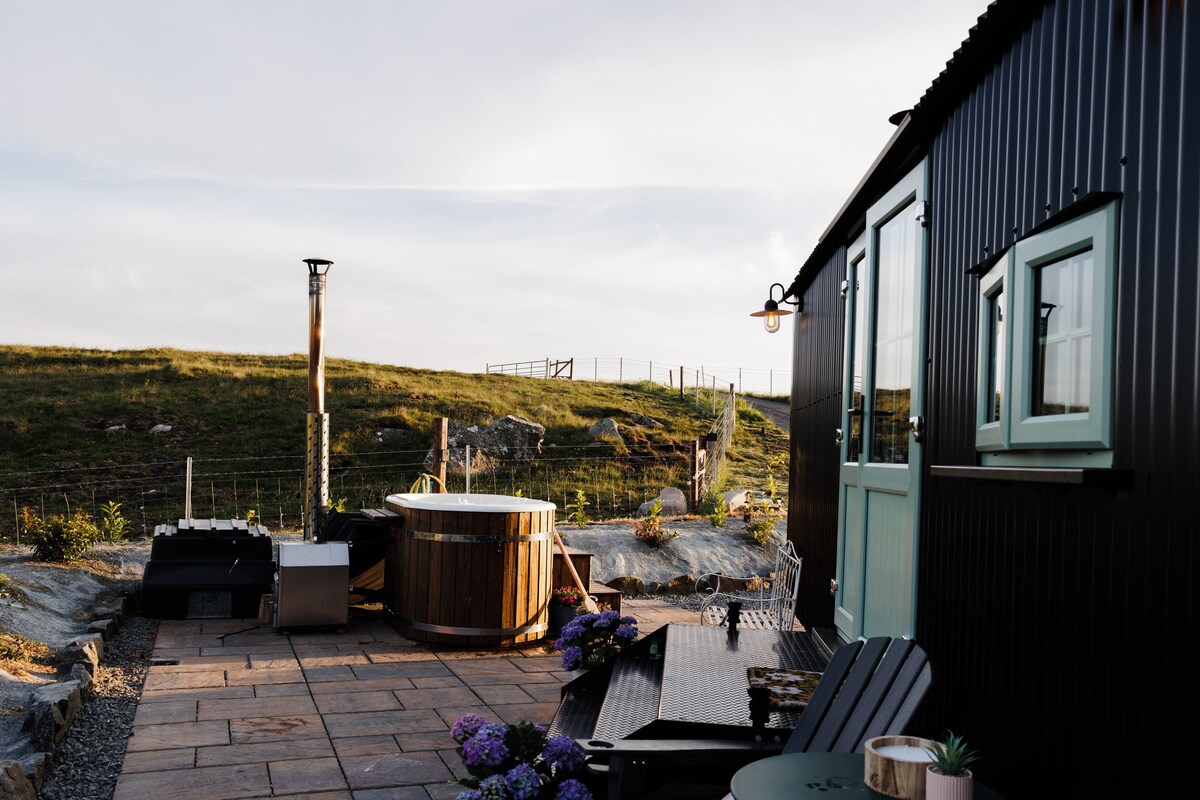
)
(242, 419)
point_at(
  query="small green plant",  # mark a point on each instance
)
(113, 525)
(338, 505)
(953, 755)
(11, 591)
(760, 530)
(716, 508)
(20, 649)
(575, 509)
(775, 462)
(60, 538)
(650, 528)
(251, 517)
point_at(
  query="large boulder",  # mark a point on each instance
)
(674, 503)
(13, 783)
(52, 709)
(649, 422)
(628, 585)
(510, 438)
(606, 430)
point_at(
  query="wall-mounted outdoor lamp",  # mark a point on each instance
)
(771, 312)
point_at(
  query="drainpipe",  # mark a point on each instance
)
(316, 476)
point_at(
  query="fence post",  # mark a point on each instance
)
(739, 379)
(681, 382)
(546, 374)
(694, 491)
(17, 519)
(771, 381)
(596, 369)
(467, 468)
(441, 452)
(187, 498)
(714, 394)
(651, 373)
(621, 369)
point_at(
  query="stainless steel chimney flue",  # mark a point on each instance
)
(316, 483)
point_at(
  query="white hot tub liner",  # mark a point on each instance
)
(478, 503)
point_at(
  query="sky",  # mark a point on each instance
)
(494, 181)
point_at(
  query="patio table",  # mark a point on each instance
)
(825, 775)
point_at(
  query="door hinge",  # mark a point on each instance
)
(922, 215)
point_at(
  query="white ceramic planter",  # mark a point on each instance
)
(949, 787)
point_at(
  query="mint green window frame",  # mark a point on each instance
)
(1014, 277)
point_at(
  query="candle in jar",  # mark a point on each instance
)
(904, 752)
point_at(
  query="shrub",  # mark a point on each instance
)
(567, 596)
(590, 640)
(575, 509)
(716, 508)
(113, 525)
(519, 761)
(60, 538)
(761, 530)
(650, 528)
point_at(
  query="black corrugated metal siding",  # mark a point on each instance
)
(1060, 616)
(816, 415)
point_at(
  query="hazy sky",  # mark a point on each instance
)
(495, 181)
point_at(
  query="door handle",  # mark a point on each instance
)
(838, 435)
(833, 586)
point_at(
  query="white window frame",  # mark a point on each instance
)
(1063, 439)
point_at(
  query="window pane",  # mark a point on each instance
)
(1063, 333)
(857, 350)
(995, 355)
(895, 282)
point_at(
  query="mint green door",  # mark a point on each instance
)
(882, 423)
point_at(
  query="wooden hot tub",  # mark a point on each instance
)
(470, 569)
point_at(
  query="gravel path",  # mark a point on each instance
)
(88, 761)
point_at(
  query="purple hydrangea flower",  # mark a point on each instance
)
(493, 788)
(467, 726)
(493, 730)
(483, 750)
(564, 754)
(470, 794)
(572, 789)
(626, 632)
(628, 621)
(572, 657)
(523, 782)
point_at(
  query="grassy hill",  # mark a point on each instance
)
(242, 418)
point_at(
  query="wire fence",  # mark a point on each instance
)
(769, 382)
(273, 486)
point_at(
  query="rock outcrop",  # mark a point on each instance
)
(510, 438)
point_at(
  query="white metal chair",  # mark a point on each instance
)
(773, 609)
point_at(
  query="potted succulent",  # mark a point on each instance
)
(565, 603)
(948, 776)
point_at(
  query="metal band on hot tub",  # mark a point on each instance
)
(467, 537)
(460, 631)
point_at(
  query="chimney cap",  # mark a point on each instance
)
(314, 265)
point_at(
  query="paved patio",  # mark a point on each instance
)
(247, 712)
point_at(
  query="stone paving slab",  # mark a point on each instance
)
(236, 711)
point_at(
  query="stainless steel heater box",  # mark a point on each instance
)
(312, 585)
